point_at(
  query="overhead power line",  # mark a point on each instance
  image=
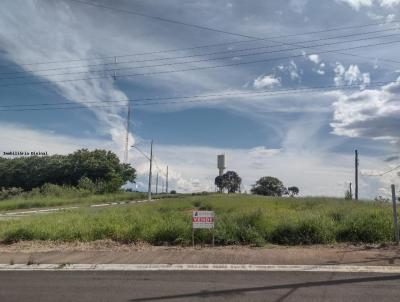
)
(147, 101)
(187, 24)
(339, 28)
(200, 55)
(43, 82)
(269, 91)
(384, 173)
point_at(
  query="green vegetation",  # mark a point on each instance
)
(50, 195)
(100, 167)
(240, 219)
(230, 181)
(270, 186)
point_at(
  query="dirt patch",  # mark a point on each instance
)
(111, 252)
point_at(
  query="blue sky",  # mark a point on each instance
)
(304, 138)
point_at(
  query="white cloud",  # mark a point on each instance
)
(357, 4)
(350, 76)
(370, 114)
(310, 166)
(320, 70)
(389, 3)
(266, 81)
(314, 58)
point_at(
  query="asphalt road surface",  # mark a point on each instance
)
(197, 286)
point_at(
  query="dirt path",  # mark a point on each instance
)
(109, 252)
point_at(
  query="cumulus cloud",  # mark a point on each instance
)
(371, 114)
(314, 58)
(357, 4)
(389, 3)
(266, 81)
(350, 76)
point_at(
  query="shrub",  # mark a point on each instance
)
(85, 183)
(10, 193)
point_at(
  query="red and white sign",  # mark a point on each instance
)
(203, 219)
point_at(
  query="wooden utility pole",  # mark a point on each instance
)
(356, 175)
(150, 172)
(166, 183)
(157, 184)
(395, 222)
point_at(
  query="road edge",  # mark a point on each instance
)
(202, 267)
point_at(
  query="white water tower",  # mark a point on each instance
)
(221, 164)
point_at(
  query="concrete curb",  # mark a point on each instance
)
(202, 267)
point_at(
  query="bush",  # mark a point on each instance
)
(86, 184)
(10, 193)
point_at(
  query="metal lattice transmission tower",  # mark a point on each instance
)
(127, 135)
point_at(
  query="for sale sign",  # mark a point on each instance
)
(203, 219)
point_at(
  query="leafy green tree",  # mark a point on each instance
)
(269, 186)
(293, 191)
(100, 166)
(219, 183)
(230, 181)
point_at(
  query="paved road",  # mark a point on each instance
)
(197, 286)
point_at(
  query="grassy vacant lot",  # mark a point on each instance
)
(240, 219)
(64, 198)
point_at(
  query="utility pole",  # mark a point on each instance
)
(166, 183)
(157, 184)
(150, 172)
(395, 222)
(356, 175)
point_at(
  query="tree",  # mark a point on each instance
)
(230, 181)
(293, 191)
(219, 183)
(269, 186)
(100, 166)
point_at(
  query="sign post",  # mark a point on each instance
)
(395, 222)
(203, 220)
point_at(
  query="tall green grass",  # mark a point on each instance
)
(240, 219)
(72, 197)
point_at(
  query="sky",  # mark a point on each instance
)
(255, 95)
